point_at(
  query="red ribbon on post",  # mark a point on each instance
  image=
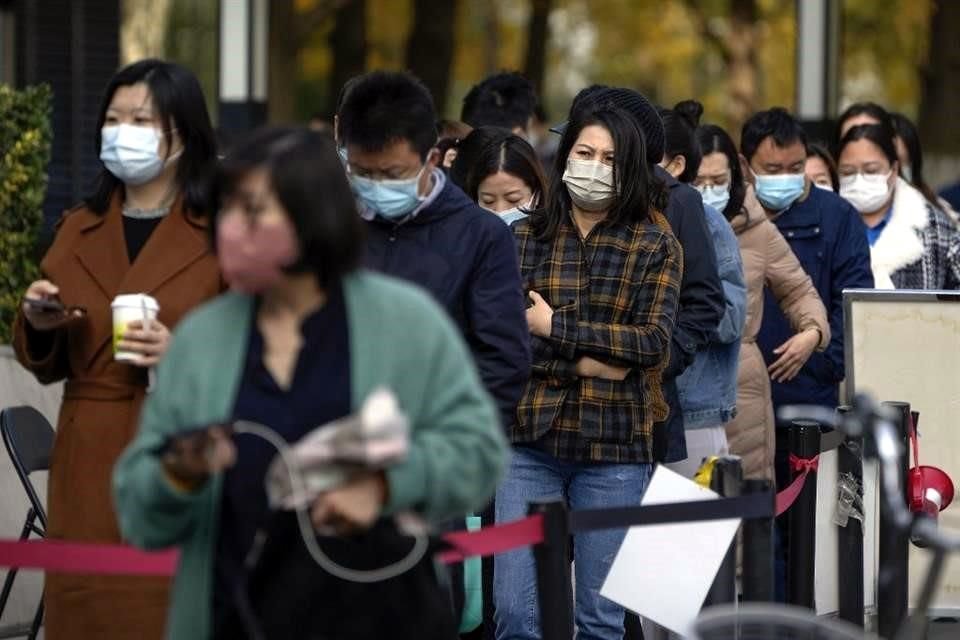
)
(804, 466)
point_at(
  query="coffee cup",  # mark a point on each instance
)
(126, 309)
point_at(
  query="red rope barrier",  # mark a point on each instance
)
(83, 557)
(788, 496)
(60, 556)
(493, 540)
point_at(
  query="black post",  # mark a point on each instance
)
(758, 549)
(850, 536)
(554, 585)
(726, 480)
(802, 518)
(892, 575)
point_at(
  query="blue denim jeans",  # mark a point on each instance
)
(535, 475)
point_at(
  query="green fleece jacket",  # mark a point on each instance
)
(398, 338)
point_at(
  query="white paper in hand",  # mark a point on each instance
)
(663, 572)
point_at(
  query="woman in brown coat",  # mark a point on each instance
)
(767, 261)
(142, 231)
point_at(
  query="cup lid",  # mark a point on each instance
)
(136, 300)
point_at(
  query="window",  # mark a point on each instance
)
(7, 62)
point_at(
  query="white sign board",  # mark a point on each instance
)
(663, 572)
(905, 346)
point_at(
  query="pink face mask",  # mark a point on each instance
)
(252, 257)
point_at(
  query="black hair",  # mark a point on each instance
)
(875, 133)
(505, 100)
(540, 113)
(341, 97)
(383, 107)
(453, 129)
(714, 139)
(776, 123)
(639, 190)
(907, 132)
(819, 150)
(178, 99)
(488, 150)
(586, 98)
(679, 125)
(871, 109)
(308, 180)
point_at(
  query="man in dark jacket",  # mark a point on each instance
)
(424, 229)
(828, 237)
(830, 241)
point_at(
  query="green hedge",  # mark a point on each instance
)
(25, 136)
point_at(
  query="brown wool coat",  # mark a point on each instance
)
(88, 262)
(768, 261)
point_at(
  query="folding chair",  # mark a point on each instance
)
(28, 438)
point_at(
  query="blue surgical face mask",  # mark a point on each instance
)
(715, 195)
(388, 199)
(513, 214)
(342, 152)
(780, 191)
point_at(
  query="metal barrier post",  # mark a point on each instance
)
(726, 480)
(892, 575)
(802, 518)
(758, 549)
(850, 537)
(554, 584)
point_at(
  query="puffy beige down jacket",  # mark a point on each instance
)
(767, 261)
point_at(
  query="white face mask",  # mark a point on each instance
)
(868, 193)
(590, 184)
(132, 153)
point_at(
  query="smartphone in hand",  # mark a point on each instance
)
(189, 434)
(45, 305)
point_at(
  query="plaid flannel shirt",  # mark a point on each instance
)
(614, 296)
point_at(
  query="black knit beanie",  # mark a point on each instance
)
(633, 103)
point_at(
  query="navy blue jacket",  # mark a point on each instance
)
(830, 241)
(951, 193)
(467, 259)
(702, 305)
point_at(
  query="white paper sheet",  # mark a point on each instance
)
(663, 572)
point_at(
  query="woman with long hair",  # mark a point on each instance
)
(500, 171)
(603, 270)
(708, 387)
(913, 244)
(142, 231)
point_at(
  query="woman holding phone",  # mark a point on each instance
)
(304, 338)
(141, 231)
